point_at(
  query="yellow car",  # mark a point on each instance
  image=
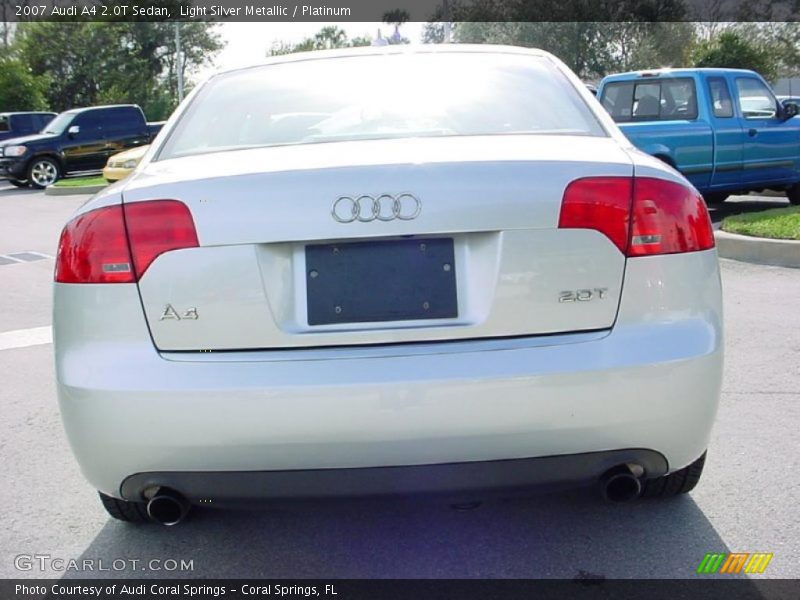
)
(120, 165)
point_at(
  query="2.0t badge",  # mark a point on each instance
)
(582, 295)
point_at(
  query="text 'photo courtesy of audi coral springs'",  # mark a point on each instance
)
(388, 270)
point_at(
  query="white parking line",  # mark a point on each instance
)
(21, 338)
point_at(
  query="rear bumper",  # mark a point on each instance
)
(201, 420)
(545, 472)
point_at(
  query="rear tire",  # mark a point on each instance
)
(679, 482)
(18, 183)
(122, 510)
(793, 194)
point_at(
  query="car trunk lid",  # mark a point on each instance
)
(473, 251)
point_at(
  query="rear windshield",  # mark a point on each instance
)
(380, 97)
(651, 100)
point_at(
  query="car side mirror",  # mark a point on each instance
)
(790, 109)
(74, 130)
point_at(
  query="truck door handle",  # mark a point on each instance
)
(752, 132)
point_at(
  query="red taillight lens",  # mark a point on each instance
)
(668, 218)
(642, 216)
(94, 249)
(155, 227)
(116, 244)
(599, 203)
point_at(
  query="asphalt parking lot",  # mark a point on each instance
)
(746, 502)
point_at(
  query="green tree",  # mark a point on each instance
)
(330, 37)
(67, 53)
(7, 9)
(780, 40)
(433, 33)
(649, 45)
(19, 89)
(326, 38)
(113, 62)
(591, 49)
(593, 37)
(582, 45)
(731, 50)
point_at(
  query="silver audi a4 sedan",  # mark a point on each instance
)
(388, 270)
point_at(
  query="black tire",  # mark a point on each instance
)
(43, 171)
(793, 194)
(679, 482)
(122, 510)
(716, 197)
(18, 183)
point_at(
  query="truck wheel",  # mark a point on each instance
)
(793, 194)
(43, 172)
(679, 482)
(715, 197)
(122, 510)
(18, 183)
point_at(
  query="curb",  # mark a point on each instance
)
(52, 190)
(763, 251)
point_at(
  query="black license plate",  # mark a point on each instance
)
(397, 280)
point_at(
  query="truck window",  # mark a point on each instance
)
(721, 103)
(4, 123)
(90, 122)
(617, 100)
(22, 123)
(42, 120)
(755, 99)
(122, 120)
(647, 101)
(651, 100)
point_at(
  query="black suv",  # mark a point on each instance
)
(81, 139)
(15, 124)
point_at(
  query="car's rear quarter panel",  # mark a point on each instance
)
(498, 199)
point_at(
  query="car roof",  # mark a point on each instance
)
(397, 49)
(26, 112)
(75, 111)
(670, 72)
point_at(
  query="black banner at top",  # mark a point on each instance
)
(402, 10)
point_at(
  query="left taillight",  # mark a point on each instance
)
(116, 244)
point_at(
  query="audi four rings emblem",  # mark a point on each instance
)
(386, 207)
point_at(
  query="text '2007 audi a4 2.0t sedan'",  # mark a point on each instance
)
(388, 271)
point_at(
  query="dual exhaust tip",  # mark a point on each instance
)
(167, 507)
(618, 484)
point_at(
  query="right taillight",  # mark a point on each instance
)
(116, 244)
(641, 216)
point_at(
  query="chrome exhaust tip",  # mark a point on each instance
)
(167, 507)
(620, 485)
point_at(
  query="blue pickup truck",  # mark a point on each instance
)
(724, 129)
